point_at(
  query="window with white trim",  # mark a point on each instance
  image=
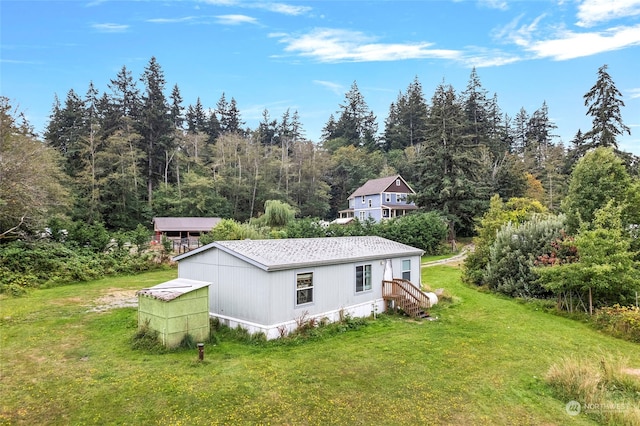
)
(362, 216)
(397, 182)
(387, 197)
(406, 269)
(363, 199)
(363, 278)
(304, 288)
(370, 203)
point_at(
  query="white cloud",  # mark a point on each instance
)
(521, 35)
(336, 88)
(171, 20)
(591, 12)
(335, 45)
(235, 19)
(221, 2)
(483, 58)
(570, 45)
(16, 61)
(634, 93)
(495, 4)
(285, 9)
(111, 28)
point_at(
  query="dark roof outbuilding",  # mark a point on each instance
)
(201, 224)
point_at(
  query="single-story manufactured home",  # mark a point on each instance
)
(269, 286)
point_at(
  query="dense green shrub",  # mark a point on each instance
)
(619, 321)
(515, 211)
(25, 265)
(514, 252)
(603, 267)
(422, 230)
(306, 228)
(229, 229)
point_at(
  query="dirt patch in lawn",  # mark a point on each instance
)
(632, 371)
(115, 298)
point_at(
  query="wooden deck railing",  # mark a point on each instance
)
(406, 295)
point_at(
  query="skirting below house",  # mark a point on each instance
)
(282, 329)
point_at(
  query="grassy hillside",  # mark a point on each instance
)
(482, 362)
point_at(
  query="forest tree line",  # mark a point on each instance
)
(135, 151)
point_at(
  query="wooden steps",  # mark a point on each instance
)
(407, 297)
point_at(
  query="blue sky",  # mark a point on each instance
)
(304, 55)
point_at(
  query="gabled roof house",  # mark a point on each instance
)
(380, 199)
(182, 228)
(269, 285)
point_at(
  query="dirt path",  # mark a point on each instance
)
(454, 260)
(115, 298)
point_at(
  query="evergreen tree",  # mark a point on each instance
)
(604, 101)
(576, 151)
(476, 109)
(357, 124)
(520, 132)
(499, 140)
(176, 108)
(329, 129)
(126, 103)
(406, 123)
(229, 114)
(539, 139)
(121, 184)
(195, 117)
(267, 129)
(65, 129)
(234, 123)
(450, 167)
(213, 127)
(155, 124)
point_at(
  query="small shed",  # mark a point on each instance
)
(174, 309)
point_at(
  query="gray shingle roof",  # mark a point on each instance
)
(172, 289)
(163, 224)
(292, 253)
(376, 186)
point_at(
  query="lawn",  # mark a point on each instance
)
(482, 362)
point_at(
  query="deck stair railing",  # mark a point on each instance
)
(405, 295)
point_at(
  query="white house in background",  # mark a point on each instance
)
(265, 285)
(380, 199)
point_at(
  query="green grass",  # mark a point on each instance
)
(483, 362)
(431, 258)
